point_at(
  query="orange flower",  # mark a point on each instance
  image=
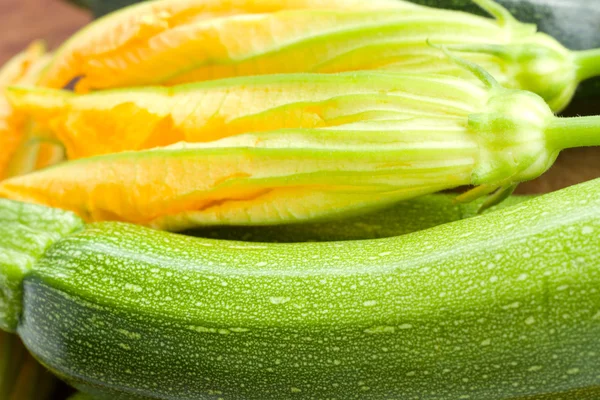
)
(136, 119)
(156, 41)
(23, 69)
(387, 137)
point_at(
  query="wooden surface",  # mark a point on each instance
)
(22, 21)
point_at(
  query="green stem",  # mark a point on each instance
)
(588, 64)
(566, 133)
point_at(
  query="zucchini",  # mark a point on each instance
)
(499, 306)
(585, 394)
(403, 218)
(26, 231)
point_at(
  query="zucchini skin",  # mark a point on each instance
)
(585, 394)
(401, 219)
(499, 306)
(26, 231)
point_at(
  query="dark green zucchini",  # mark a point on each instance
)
(585, 394)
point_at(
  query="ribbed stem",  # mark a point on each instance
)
(588, 64)
(565, 133)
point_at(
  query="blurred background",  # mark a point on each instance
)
(22, 21)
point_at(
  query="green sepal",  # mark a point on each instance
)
(476, 193)
(498, 197)
(480, 73)
(500, 13)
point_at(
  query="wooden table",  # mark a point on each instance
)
(22, 21)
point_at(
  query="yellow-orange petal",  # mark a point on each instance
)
(119, 49)
(135, 119)
(25, 66)
(23, 69)
(267, 178)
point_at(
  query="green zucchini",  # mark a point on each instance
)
(403, 218)
(501, 306)
(26, 231)
(585, 394)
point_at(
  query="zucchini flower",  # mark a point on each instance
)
(17, 151)
(398, 136)
(170, 42)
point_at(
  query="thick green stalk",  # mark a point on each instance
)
(565, 133)
(588, 64)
